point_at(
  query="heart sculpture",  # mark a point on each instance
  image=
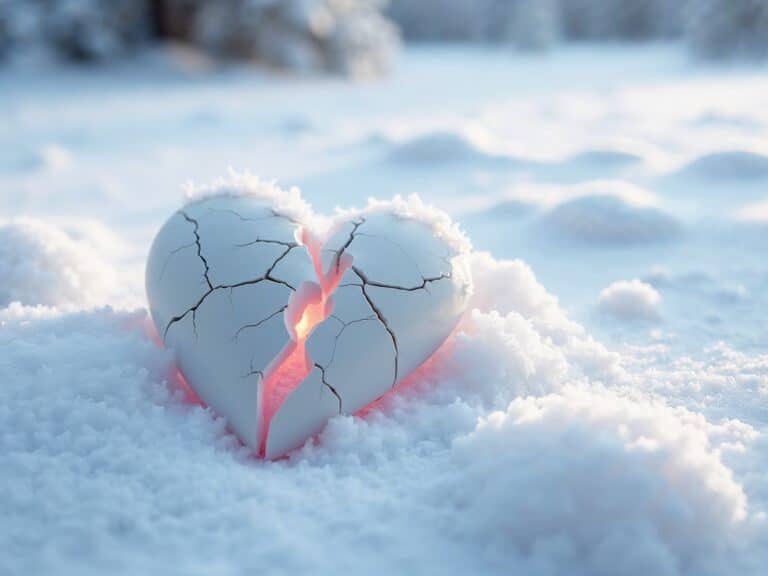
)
(278, 331)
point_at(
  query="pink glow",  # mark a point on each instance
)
(175, 378)
(308, 306)
(433, 369)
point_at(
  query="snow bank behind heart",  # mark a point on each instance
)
(42, 263)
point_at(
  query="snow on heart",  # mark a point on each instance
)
(281, 318)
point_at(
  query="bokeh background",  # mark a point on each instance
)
(360, 37)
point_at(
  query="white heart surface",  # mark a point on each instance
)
(278, 330)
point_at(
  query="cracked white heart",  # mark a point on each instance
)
(278, 330)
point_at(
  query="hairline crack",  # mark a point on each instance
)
(381, 319)
(266, 277)
(328, 385)
(196, 232)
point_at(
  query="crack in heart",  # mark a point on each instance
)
(211, 289)
(288, 378)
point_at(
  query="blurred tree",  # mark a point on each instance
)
(96, 29)
(20, 25)
(621, 19)
(341, 36)
(524, 23)
(727, 28)
(355, 37)
(350, 36)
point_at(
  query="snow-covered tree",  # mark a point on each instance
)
(95, 29)
(440, 20)
(725, 28)
(621, 19)
(529, 24)
(526, 23)
(344, 36)
(20, 25)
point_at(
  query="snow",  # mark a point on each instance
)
(757, 212)
(730, 165)
(43, 264)
(499, 456)
(544, 436)
(630, 300)
(610, 220)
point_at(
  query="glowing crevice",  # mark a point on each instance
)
(307, 307)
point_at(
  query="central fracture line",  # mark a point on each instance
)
(308, 306)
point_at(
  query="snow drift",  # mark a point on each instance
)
(610, 220)
(630, 300)
(42, 264)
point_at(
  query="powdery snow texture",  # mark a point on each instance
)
(502, 454)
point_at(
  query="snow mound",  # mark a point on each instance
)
(507, 292)
(756, 212)
(439, 148)
(42, 264)
(605, 158)
(730, 165)
(505, 210)
(591, 167)
(587, 482)
(630, 300)
(603, 219)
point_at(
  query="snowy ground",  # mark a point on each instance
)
(603, 410)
